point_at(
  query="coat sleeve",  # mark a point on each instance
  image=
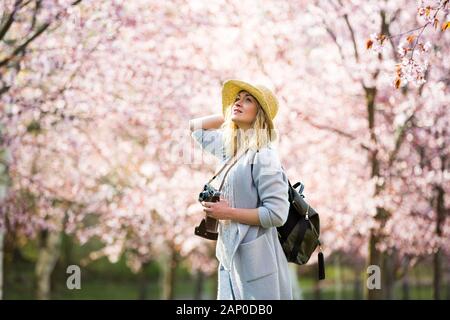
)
(210, 140)
(272, 185)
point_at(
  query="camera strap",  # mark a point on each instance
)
(223, 167)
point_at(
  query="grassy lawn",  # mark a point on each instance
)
(96, 287)
(104, 280)
(101, 280)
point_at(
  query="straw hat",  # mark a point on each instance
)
(265, 97)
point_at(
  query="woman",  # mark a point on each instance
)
(252, 264)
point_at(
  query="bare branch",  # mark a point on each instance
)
(352, 34)
(340, 50)
(400, 138)
(334, 130)
(9, 20)
(35, 13)
(24, 45)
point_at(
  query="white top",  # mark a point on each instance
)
(228, 230)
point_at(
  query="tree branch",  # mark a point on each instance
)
(35, 13)
(9, 20)
(352, 34)
(400, 139)
(24, 45)
(334, 130)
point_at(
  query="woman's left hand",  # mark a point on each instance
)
(220, 210)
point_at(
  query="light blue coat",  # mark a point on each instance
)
(259, 268)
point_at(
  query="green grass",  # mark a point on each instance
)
(108, 289)
(20, 285)
(104, 280)
(100, 282)
(328, 290)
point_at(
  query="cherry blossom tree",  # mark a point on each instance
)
(22, 23)
(413, 52)
(389, 117)
(106, 155)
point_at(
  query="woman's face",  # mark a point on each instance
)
(244, 110)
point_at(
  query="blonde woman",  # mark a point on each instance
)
(254, 199)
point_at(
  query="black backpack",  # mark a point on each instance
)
(299, 236)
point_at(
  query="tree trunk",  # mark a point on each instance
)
(357, 285)
(170, 276)
(67, 250)
(375, 258)
(418, 283)
(388, 276)
(338, 279)
(437, 274)
(199, 285)
(143, 282)
(4, 181)
(437, 260)
(448, 289)
(1, 262)
(48, 256)
(405, 286)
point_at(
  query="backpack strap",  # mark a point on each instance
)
(301, 234)
(251, 173)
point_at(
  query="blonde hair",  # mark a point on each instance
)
(257, 137)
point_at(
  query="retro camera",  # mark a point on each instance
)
(208, 226)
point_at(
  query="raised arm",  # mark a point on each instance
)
(208, 122)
